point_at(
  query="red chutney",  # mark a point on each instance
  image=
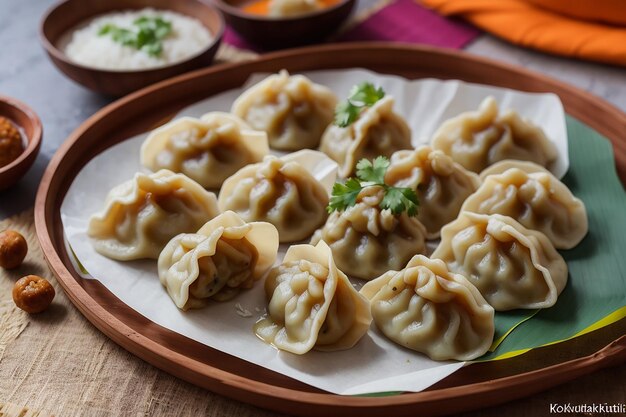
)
(11, 143)
(261, 7)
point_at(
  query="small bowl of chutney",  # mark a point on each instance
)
(277, 24)
(20, 140)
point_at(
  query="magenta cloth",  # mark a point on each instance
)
(232, 38)
(407, 21)
(400, 21)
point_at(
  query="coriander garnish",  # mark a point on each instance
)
(396, 199)
(361, 96)
(147, 36)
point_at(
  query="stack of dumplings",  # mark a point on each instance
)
(499, 231)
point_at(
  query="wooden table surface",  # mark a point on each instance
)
(58, 363)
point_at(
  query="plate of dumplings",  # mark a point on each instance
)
(328, 232)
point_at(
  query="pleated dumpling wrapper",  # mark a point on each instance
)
(207, 150)
(378, 131)
(441, 184)
(225, 256)
(312, 304)
(279, 191)
(367, 241)
(141, 215)
(500, 167)
(426, 308)
(539, 201)
(293, 110)
(477, 139)
(512, 266)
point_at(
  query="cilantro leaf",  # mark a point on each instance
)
(365, 94)
(346, 114)
(146, 36)
(399, 199)
(372, 172)
(361, 96)
(344, 195)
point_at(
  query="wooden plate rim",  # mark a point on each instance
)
(266, 394)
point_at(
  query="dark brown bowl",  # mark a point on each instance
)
(68, 14)
(276, 33)
(25, 119)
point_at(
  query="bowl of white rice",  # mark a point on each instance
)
(118, 46)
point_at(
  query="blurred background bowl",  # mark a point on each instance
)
(65, 16)
(283, 32)
(28, 122)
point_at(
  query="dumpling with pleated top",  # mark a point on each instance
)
(427, 308)
(441, 184)
(538, 200)
(279, 191)
(377, 131)
(141, 215)
(224, 257)
(477, 139)
(207, 150)
(512, 266)
(312, 304)
(293, 110)
(367, 241)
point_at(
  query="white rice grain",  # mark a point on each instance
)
(84, 46)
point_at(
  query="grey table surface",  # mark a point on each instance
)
(28, 75)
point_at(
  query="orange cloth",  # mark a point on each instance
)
(523, 22)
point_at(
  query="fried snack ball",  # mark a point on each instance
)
(33, 294)
(11, 146)
(13, 249)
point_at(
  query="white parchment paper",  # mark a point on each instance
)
(374, 364)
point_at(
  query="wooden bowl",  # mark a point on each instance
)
(68, 14)
(26, 120)
(276, 33)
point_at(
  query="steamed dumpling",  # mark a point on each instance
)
(292, 8)
(539, 201)
(426, 308)
(367, 241)
(278, 191)
(480, 138)
(225, 256)
(512, 267)
(141, 215)
(291, 109)
(207, 150)
(441, 184)
(312, 304)
(378, 131)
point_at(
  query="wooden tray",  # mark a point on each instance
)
(476, 386)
